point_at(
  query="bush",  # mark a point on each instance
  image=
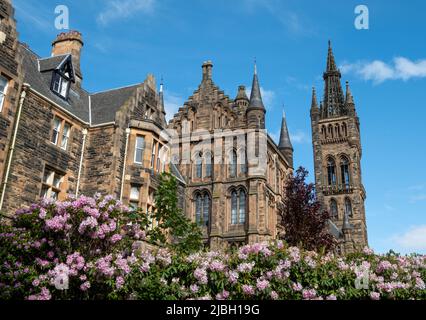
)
(89, 248)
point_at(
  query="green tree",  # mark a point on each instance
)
(174, 229)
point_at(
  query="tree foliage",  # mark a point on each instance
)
(303, 219)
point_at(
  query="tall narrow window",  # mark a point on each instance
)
(158, 157)
(333, 209)
(344, 169)
(3, 89)
(242, 207)
(65, 135)
(52, 184)
(153, 154)
(206, 210)
(238, 207)
(139, 149)
(56, 130)
(348, 207)
(234, 207)
(202, 209)
(233, 164)
(199, 166)
(134, 197)
(331, 172)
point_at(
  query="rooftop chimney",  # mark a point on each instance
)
(70, 43)
(207, 70)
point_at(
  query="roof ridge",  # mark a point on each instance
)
(59, 55)
(115, 89)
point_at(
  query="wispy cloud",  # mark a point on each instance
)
(35, 15)
(418, 198)
(291, 20)
(413, 239)
(378, 71)
(122, 9)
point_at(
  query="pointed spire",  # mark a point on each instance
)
(349, 97)
(334, 99)
(256, 96)
(331, 63)
(314, 104)
(285, 142)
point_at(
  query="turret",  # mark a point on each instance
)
(285, 145)
(256, 110)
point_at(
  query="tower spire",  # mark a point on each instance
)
(285, 142)
(162, 107)
(256, 96)
(285, 145)
(333, 92)
(349, 97)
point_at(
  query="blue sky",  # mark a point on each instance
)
(386, 66)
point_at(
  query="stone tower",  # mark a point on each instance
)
(337, 158)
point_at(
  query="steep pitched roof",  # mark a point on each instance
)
(104, 105)
(52, 63)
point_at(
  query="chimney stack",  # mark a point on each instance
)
(207, 70)
(70, 43)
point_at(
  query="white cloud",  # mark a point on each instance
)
(378, 71)
(418, 198)
(172, 103)
(414, 239)
(121, 9)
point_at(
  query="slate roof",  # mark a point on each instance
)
(103, 105)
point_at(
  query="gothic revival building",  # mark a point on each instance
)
(337, 159)
(235, 199)
(57, 139)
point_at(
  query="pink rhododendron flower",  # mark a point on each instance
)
(248, 290)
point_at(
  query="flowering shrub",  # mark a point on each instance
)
(78, 249)
(89, 248)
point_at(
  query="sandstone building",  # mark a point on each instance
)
(58, 139)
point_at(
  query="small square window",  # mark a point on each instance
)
(52, 184)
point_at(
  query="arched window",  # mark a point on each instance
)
(202, 209)
(199, 166)
(209, 164)
(233, 164)
(344, 170)
(348, 207)
(333, 209)
(331, 172)
(238, 207)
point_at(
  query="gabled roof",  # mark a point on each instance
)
(104, 105)
(52, 63)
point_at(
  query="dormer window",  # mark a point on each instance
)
(62, 78)
(60, 85)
